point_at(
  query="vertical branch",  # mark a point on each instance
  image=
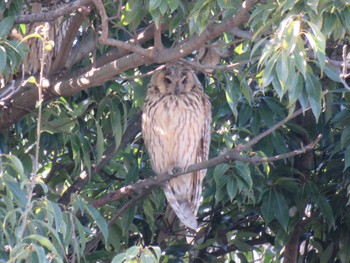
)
(33, 180)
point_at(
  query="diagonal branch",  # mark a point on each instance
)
(98, 76)
(232, 155)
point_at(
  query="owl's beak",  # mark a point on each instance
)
(177, 90)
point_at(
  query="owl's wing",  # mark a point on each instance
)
(202, 154)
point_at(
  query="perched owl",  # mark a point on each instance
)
(176, 129)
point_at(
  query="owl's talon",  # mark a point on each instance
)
(176, 170)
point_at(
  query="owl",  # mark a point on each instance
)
(176, 130)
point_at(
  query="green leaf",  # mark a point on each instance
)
(282, 68)
(157, 252)
(173, 4)
(15, 189)
(85, 151)
(345, 138)
(281, 209)
(99, 220)
(64, 124)
(59, 222)
(128, 219)
(327, 253)
(120, 258)
(245, 113)
(347, 158)
(293, 35)
(132, 252)
(99, 143)
(163, 8)
(81, 108)
(144, 258)
(232, 95)
(133, 11)
(174, 24)
(314, 92)
(300, 57)
(267, 208)
(279, 87)
(16, 164)
(268, 75)
(40, 254)
(312, 4)
(232, 188)
(43, 241)
(116, 122)
(329, 20)
(243, 171)
(344, 244)
(153, 4)
(219, 172)
(3, 59)
(332, 72)
(6, 25)
(326, 209)
(320, 45)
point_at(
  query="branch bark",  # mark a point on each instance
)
(232, 155)
(52, 15)
(97, 76)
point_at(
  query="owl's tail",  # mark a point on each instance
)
(183, 194)
(182, 209)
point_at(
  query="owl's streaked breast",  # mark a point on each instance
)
(176, 130)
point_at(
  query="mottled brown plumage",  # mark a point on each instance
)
(176, 130)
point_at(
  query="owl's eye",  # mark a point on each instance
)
(167, 80)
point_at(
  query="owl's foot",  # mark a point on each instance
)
(175, 170)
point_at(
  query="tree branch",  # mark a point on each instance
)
(52, 15)
(114, 42)
(98, 76)
(131, 131)
(232, 155)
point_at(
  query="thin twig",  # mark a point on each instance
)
(269, 131)
(34, 178)
(114, 42)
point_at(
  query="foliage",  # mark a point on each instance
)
(288, 55)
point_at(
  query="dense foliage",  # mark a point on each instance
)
(276, 74)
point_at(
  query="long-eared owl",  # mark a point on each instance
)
(176, 129)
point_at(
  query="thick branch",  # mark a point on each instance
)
(52, 15)
(98, 76)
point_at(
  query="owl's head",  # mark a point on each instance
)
(175, 79)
